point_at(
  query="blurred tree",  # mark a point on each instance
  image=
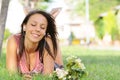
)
(99, 27)
(118, 22)
(42, 4)
(35, 4)
(80, 7)
(100, 6)
(108, 25)
(3, 16)
(6, 34)
(96, 7)
(77, 7)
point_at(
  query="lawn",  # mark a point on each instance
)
(100, 64)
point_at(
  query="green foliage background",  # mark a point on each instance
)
(96, 7)
(6, 34)
(107, 25)
(104, 25)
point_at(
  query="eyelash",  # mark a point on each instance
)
(40, 26)
(33, 24)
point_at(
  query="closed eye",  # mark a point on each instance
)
(42, 26)
(33, 24)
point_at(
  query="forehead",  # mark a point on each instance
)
(38, 18)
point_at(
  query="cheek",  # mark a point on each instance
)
(29, 28)
(43, 32)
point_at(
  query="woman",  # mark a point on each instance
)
(35, 49)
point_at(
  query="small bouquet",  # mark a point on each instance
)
(74, 70)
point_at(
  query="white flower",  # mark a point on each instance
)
(81, 65)
(61, 73)
(73, 64)
(69, 77)
(78, 60)
(71, 58)
(64, 78)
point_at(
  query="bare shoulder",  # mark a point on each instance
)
(11, 42)
(11, 39)
(11, 48)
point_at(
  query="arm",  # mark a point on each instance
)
(47, 59)
(59, 59)
(11, 55)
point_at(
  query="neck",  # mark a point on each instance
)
(30, 47)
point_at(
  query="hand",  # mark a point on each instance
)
(27, 77)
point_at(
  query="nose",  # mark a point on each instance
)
(38, 28)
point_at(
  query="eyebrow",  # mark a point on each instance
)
(37, 22)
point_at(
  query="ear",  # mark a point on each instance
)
(55, 11)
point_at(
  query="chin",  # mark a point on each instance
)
(35, 40)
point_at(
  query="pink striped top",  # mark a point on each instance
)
(22, 63)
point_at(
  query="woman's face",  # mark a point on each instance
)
(35, 28)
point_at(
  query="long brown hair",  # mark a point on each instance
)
(51, 31)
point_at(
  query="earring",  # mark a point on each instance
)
(44, 34)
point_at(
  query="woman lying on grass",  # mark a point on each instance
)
(35, 50)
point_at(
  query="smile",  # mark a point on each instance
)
(35, 35)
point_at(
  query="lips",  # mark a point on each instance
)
(35, 35)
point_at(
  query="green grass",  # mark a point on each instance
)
(100, 64)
